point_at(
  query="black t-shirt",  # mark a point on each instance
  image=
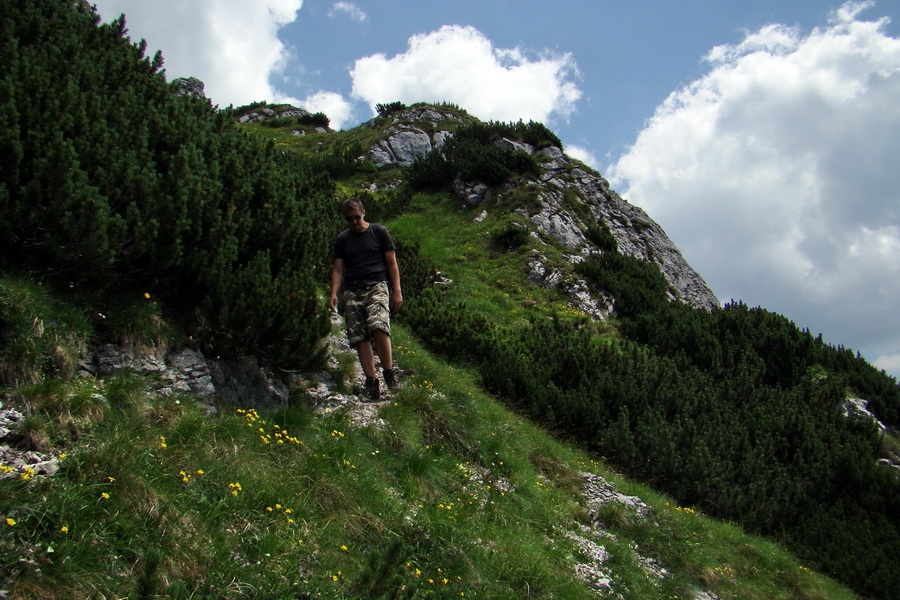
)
(363, 255)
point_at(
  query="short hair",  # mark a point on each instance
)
(352, 204)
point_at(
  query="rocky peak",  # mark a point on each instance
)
(410, 133)
(571, 197)
(264, 112)
(189, 86)
(635, 232)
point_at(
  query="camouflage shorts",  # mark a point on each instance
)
(366, 310)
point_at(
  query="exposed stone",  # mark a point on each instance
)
(558, 224)
(110, 358)
(276, 111)
(17, 461)
(860, 408)
(400, 149)
(472, 193)
(515, 145)
(599, 492)
(243, 382)
(551, 158)
(407, 139)
(636, 234)
(440, 138)
(188, 371)
(189, 86)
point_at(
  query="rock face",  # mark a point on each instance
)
(565, 189)
(233, 382)
(635, 232)
(189, 86)
(273, 111)
(411, 133)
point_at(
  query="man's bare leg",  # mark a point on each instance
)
(383, 347)
(366, 358)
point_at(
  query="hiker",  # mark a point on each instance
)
(365, 267)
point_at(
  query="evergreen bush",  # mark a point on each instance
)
(510, 236)
(390, 108)
(110, 179)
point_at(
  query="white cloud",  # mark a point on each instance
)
(776, 175)
(231, 45)
(582, 154)
(350, 9)
(334, 105)
(889, 363)
(459, 65)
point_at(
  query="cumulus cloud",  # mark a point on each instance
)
(776, 175)
(338, 109)
(349, 9)
(583, 154)
(459, 65)
(231, 45)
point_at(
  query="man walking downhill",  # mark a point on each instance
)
(365, 267)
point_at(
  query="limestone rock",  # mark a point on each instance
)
(243, 382)
(635, 232)
(188, 371)
(189, 86)
(411, 133)
(276, 111)
(471, 193)
(400, 149)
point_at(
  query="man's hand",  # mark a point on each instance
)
(396, 302)
(337, 276)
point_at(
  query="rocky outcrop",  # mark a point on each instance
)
(273, 111)
(411, 133)
(571, 198)
(400, 149)
(566, 181)
(857, 408)
(16, 458)
(472, 193)
(233, 382)
(591, 536)
(183, 371)
(189, 86)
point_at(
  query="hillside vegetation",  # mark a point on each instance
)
(137, 217)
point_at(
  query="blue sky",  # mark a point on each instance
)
(762, 136)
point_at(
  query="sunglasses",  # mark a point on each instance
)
(353, 218)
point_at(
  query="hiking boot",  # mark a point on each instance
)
(371, 389)
(392, 377)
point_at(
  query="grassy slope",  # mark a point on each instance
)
(456, 497)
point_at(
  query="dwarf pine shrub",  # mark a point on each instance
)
(116, 183)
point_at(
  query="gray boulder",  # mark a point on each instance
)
(189, 86)
(400, 149)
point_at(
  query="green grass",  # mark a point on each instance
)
(490, 280)
(456, 497)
